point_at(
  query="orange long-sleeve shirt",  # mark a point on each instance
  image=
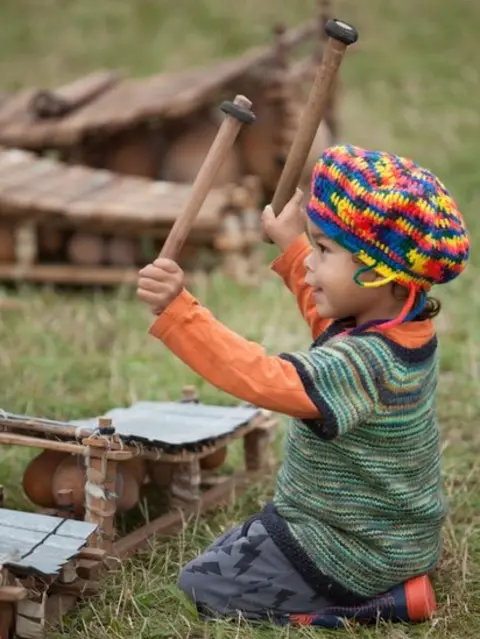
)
(241, 367)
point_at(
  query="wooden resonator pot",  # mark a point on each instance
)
(186, 154)
(263, 144)
(70, 475)
(52, 471)
(215, 460)
(38, 477)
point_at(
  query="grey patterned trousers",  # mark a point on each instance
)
(244, 571)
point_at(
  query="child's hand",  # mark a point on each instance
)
(159, 284)
(289, 224)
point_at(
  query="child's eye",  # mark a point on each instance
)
(322, 248)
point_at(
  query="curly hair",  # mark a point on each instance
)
(431, 309)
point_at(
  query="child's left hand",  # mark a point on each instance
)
(290, 223)
(160, 283)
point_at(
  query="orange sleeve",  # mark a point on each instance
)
(230, 362)
(289, 265)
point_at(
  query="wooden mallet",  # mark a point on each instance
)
(238, 113)
(340, 36)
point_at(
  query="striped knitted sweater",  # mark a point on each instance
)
(359, 503)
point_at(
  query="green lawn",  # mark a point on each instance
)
(412, 87)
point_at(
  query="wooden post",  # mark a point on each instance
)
(257, 446)
(185, 483)
(189, 395)
(26, 248)
(251, 220)
(230, 242)
(185, 478)
(9, 595)
(68, 574)
(100, 495)
(31, 615)
(60, 603)
(7, 616)
(1, 495)
(7, 244)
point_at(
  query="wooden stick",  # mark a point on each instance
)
(12, 439)
(330, 116)
(238, 113)
(7, 614)
(340, 35)
(44, 427)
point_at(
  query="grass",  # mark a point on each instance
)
(412, 87)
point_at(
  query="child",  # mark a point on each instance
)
(358, 506)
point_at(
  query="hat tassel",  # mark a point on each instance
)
(408, 311)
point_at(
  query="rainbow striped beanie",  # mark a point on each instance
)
(392, 214)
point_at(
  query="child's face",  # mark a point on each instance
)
(330, 271)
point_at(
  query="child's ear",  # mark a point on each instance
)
(399, 292)
(358, 261)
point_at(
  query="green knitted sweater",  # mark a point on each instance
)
(360, 489)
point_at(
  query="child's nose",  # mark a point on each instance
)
(307, 262)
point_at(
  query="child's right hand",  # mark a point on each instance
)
(288, 225)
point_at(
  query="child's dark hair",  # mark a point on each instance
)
(431, 309)
(432, 306)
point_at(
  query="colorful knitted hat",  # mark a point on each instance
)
(391, 213)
